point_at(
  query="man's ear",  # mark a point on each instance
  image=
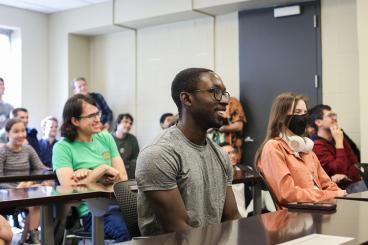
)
(186, 99)
(318, 122)
(75, 121)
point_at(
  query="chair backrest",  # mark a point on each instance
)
(273, 196)
(128, 205)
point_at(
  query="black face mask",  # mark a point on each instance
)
(297, 123)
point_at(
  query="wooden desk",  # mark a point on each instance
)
(349, 220)
(251, 178)
(46, 196)
(18, 176)
(360, 196)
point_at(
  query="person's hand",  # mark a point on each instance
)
(48, 183)
(5, 230)
(25, 184)
(110, 176)
(341, 193)
(80, 174)
(338, 177)
(338, 136)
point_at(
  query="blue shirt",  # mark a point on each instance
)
(106, 113)
(46, 151)
(32, 139)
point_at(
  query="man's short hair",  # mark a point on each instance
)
(77, 79)
(121, 117)
(73, 108)
(1, 80)
(48, 118)
(185, 81)
(164, 116)
(18, 109)
(317, 113)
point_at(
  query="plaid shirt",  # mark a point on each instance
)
(106, 113)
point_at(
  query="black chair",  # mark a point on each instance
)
(363, 169)
(274, 199)
(128, 204)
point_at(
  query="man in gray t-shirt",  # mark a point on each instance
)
(5, 108)
(184, 179)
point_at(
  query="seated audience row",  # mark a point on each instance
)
(184, 179)
(286, 159)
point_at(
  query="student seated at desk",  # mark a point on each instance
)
(184, 179)
(6, 233)
(286, 159)
(86, 155)
(17, 156)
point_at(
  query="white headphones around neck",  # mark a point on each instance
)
(299, 144)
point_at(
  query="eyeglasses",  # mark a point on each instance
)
(217, 93)
(331, 115)
(91, 116)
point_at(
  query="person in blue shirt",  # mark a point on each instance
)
(49, 126)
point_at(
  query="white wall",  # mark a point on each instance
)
(91, 19)
(162, 51)
(227, 51)
(362, 20)
(340, 63)
(78, 57)
(34, 66)
(113, 71)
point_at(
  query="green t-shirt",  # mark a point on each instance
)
(77, 155)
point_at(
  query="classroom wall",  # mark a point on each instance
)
(113, 70)
(78, 57)
(34, 65)
(138, 80)
(340, 63)
(82, 21)
(362, 20)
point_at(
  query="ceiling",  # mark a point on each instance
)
(49, 6)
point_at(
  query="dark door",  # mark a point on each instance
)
(276, 55)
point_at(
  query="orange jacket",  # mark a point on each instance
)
(294, 178)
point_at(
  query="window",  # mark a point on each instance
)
(10, 65)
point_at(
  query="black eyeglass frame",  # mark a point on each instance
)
(217, 93)
(92, 115)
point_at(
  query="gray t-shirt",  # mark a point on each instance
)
(201, 173)
(11, 161)
(5, 109)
